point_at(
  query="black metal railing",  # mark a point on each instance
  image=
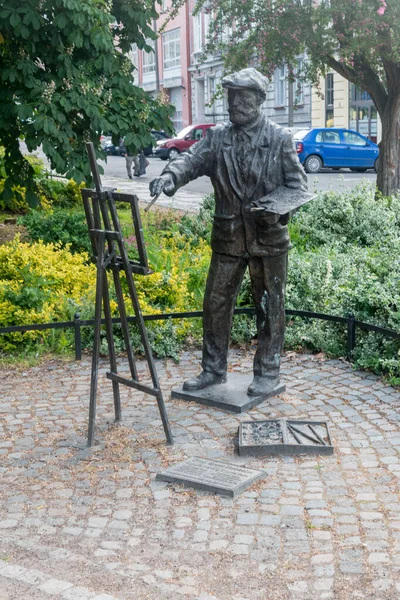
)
(350, 321)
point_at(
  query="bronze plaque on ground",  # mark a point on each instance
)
(284, 436)
(211, 476)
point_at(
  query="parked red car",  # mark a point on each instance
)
(167, 149)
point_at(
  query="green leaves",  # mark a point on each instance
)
(65, 79)
(61, 20)
(15, 19)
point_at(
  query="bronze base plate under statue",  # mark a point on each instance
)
(230, 396)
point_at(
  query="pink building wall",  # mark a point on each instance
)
(173, 78)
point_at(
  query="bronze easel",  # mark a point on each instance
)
(109, 253)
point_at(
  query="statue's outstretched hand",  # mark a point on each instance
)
(165, 184)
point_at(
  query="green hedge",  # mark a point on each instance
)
(344, 259)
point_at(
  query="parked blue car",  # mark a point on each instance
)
(335, 148)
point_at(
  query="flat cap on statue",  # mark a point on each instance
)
(249, 78)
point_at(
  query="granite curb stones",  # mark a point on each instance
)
(212, 476)
(230, 396)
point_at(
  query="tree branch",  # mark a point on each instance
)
(392, 72)
(370, 80)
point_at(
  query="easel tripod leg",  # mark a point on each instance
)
(124, 324)
(164, 418)
(111, 348)
(96, 344)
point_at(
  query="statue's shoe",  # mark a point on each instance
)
(261, 386)
(203, 380)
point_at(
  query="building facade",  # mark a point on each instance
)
(281, 106)
(167, 66)
(177, 66)
(342, 104)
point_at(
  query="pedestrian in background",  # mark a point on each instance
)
(129, 159)
(143, 164)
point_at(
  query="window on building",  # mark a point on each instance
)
(298, 84)
(358, 95)
(164, 5)
(362, 113)
(197, 33)
(226, 33)
(280, 86)
(175, 97)
(329, 98)
(149, 58)
(172, 48)
(133, 55)
(225, 104)
(207, 21)
(211, 88)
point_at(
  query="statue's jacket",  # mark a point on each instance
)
(272, 162)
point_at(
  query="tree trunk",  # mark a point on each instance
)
(388, 180)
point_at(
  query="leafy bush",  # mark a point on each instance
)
(61, 194)
(198, 227)
(17, 202)
(38, 284)
(176, 285)
(345, 260)
(51, 192)
(61, 226)
(351, 217)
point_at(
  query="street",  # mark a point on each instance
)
(189, 197)
(326, 180)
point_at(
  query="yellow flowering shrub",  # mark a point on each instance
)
(43, 283)
(38, 284)
(18, 204)
(177, 285)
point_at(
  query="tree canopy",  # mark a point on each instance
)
(66, 78)
(359, 39)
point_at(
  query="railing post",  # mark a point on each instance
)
(351, 335)
(77, 330)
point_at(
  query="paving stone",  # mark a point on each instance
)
(200, 536)
(319, 559)
(378, 557)
(77, 593)
(218, 545)
(247, 519)
(101, 514)
(122, 514)
(55, 586)
(97, 522)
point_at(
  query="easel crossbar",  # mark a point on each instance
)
(133, 384)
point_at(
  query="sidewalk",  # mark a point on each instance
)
(78, 525)
(184, 200)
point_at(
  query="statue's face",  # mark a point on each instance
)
(243, 106)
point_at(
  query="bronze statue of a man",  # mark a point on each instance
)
(247, 160)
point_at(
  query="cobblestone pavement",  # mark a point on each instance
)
(79, 525)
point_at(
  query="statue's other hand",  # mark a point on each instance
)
(165, 184)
